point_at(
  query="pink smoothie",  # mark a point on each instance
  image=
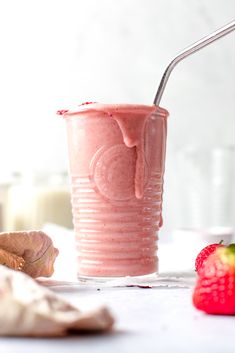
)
(116, 157)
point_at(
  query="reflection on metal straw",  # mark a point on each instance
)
(188, 51)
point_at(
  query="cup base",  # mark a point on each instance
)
(122, 280)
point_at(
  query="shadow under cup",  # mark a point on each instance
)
(116, 226)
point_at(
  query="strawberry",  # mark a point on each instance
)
(214, 292)
(204, 254)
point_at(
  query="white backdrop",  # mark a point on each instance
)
(59, 53)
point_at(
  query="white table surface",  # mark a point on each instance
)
(159, 319)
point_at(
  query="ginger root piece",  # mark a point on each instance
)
(11, 260)
(34, 249)
(29, 309)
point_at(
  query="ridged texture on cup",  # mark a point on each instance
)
(113, 240)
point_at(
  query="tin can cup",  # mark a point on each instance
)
(116, 232)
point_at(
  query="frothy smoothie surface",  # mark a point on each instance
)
(116, 155)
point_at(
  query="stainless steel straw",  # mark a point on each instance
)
(223, 31)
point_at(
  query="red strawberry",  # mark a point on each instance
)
(204, 254)
(214, 292)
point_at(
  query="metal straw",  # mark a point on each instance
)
(223, 31)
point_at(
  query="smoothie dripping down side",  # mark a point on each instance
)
(131, 120)
(133, 136)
